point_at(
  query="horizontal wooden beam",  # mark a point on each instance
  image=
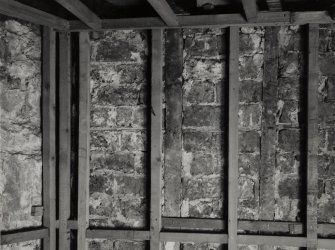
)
(16, 9)
(274, 5)
(117, 234)
(80, 10)
(11, 237)
(220, 20)
(272, 240)
(165, 12)
(194, 237)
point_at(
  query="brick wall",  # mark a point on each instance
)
(326, 166)
(20, 132)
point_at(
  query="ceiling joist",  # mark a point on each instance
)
(82, 12)
(274, 5)
(250, 9)
(18, 10)
(165, 12)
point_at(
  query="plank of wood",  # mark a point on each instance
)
(269, 133)
(165, 12)
(118, 234)
(194, 237)
(49, 135)
(21, 236)
(80, 10)
(233, 136)
(312, 135)
(274, 5)
(272, 240)
(18, 10)
(84, 138)
(326, 244)
(64, 138)
(156, 136)
(173, 133)
(250, 9)
(307, 17)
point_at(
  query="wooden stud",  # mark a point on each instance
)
(80, 10)
(156, 137)
(64, 138)
(173, 109)
(250, 9)
(274, 5)
(194, 237)
(21, 236)
(312, 135)
(165, 12)
(233, 137)
(272, 240)
(84, 138)
(49, 135)
(18, 10)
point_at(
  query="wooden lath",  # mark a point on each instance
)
(84, 138)
(156, 136)
(274, 5)
(64, 138)
(18, 10)
(49, 136)
(313, 136)
(165, 12)
(234, 87)
(80, 10)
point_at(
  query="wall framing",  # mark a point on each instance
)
(157, 233)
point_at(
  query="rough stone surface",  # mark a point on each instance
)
(326, 165)
(118, 176)
(20, 131)
(116, 245)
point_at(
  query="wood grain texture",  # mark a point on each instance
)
(118, 234)
(312, 135)
(64, 138)
(80, 10)
(274, 5)
(250, 9)
(21, 236)
(84, 138)
(18, 10)
(233, 137)
(156, 137)
(164, 11)
(49, 135)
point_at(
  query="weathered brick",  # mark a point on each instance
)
(203, 141)
(246, 188)
(326, 166)
(199, 92)
(327, 64)
(327, 116)
(98, 183)
(203, 70)
(327, 139)
(290, 64)
(330, 188)
(204, 46)
(105, 140)
(289, 88)
(124, 162)
(126, 185)
(290, 112)
(124, 117)
(324, 40)
(251, 67)
(203, 116)
(210, 187)
(134, 141)
(202, 246)
(250, 43)
(248, 164)
(288, 163)
(249, 142)
(290, 38)
(289, 140)
(250, 91)
(289, 187)
(206, 209)
(202, 164)
(250, 116)
(331, 88)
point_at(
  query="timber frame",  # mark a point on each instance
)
(225, 231)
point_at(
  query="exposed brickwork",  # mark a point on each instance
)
(116, 245)
(204, 75)
(326, 165)
(27, 245)
(119, 158)
(20, 132)
(264, 247)
(270, 122)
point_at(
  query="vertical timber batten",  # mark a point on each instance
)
(84, 138)
(49, 136)
(233, 137)
(313, 140)
(156, 137)
(64, 139)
